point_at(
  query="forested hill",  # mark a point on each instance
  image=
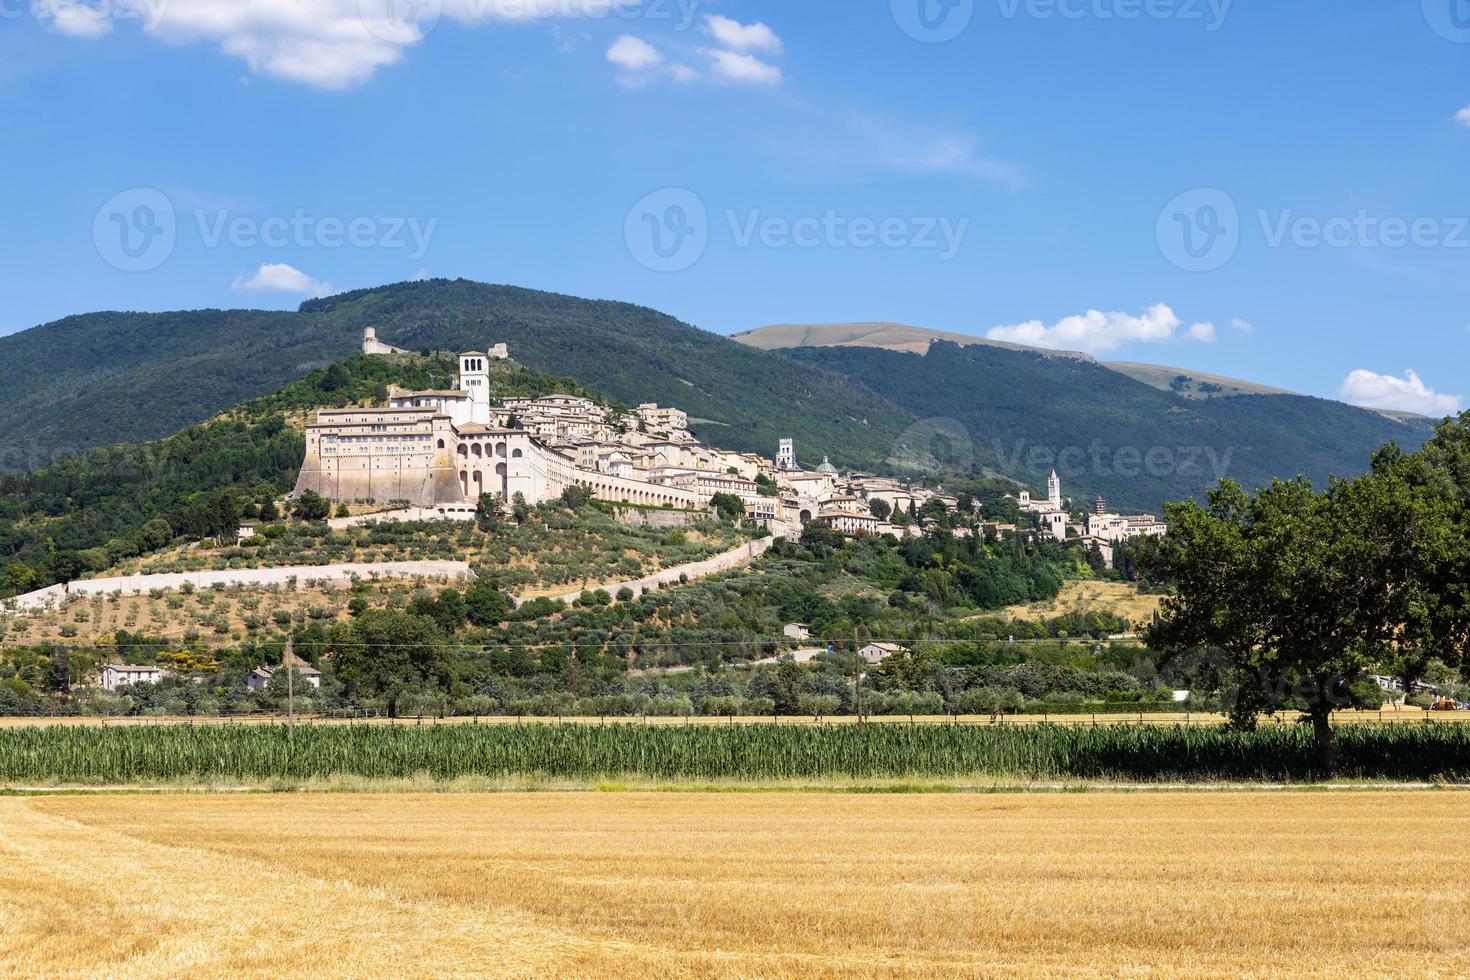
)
(1022, 412)
(85, 513)
(106, 378)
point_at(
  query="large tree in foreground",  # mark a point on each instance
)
(1299, 592)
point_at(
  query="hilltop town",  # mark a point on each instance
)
(438, 453)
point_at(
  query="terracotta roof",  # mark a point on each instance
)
(431, 394)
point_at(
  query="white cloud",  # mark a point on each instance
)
(277, 277)
(1202, 332)
(1100, 333)
(741, 69)
(913, 148)
(329, 44)
(1242, 326)
(634, 54)
(77, 19)
(742, 37)
(1463, 116)
(1407, 394)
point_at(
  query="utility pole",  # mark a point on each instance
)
(290, 690)
(857, 680)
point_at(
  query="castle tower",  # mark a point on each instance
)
(1054, 490)
(474, 378)
(786, 455)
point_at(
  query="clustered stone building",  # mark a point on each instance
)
(440, 450)
(436, 452)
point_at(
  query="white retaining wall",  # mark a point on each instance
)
(694, 571)
(303, 574)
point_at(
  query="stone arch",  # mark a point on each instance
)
(500, 450)
(464, 482)
(806, 517)
(479, 481)
(463, 452)
(477, 450)
(516, 454)
(504, 476)
(441, 443)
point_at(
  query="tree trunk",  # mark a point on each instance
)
(1326, 738)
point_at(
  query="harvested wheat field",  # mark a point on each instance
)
(783, 884)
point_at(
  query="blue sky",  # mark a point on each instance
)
(1262, 189)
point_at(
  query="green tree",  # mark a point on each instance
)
(1296, 590)
(312, 506)
(386, 653)
(880, 509)
(728, 506)
(489, 511)
(487, 605)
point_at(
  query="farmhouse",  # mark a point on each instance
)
(115, 676)
(260, 677)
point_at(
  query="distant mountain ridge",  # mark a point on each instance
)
(104, 378)
(1021, 413)
(884, 335)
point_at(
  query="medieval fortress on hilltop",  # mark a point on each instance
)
(439, 451)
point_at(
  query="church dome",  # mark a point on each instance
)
(826, 466)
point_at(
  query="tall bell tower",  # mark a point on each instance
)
(474, 379)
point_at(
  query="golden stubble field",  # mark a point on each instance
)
(725, 884)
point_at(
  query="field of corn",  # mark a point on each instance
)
(123, 755)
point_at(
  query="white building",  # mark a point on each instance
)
(115, 676)
(260, 677)
(1118, 527)
(441, 450)
(878, 652)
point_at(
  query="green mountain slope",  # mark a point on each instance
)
(87, 512)
(1020, 413)
(104, 378)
